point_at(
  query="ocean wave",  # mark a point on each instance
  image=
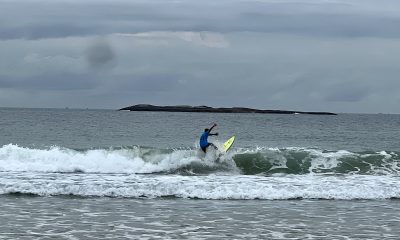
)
(296, 160)
(244, 173)
(190, 161)
(213, 186)
(113, 160)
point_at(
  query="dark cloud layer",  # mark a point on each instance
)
(310, 55)
(49, 19)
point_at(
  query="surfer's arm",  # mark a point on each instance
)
(209, 131)
(212, 128)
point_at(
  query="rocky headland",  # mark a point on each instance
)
(185, 108)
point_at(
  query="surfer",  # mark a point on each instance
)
(204, 144)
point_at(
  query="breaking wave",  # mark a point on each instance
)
(247, 173)
(247, 161)
(316, 161)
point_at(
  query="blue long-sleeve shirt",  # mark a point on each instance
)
(204, 139)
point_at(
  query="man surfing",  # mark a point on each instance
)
(204, 144)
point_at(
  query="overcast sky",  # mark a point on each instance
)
(306, 55)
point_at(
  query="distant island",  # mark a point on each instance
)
(185, 108)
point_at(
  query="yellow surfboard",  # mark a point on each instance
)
(228, 144)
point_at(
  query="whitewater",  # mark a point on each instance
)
(142, 172)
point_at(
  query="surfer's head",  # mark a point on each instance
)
(206, 130)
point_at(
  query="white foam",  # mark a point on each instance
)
(144, 160)
(56, 159)
(320, 160)
(204, 187)
(113, 173)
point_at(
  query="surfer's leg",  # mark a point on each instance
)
(205, 148)
(211, 144)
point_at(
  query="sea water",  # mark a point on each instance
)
(106, 174)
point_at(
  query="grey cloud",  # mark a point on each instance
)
(50, 81)
(331, 85)
(163, 82)
(326, 25)
(82, 19)
(347, 92)
(42, 30)
(150, 82)
(91, 18)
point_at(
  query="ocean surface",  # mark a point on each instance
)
(106, 174)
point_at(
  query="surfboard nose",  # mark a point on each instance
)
(228, 144)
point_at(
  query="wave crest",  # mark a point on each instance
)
(315, 161)
(248, 161)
